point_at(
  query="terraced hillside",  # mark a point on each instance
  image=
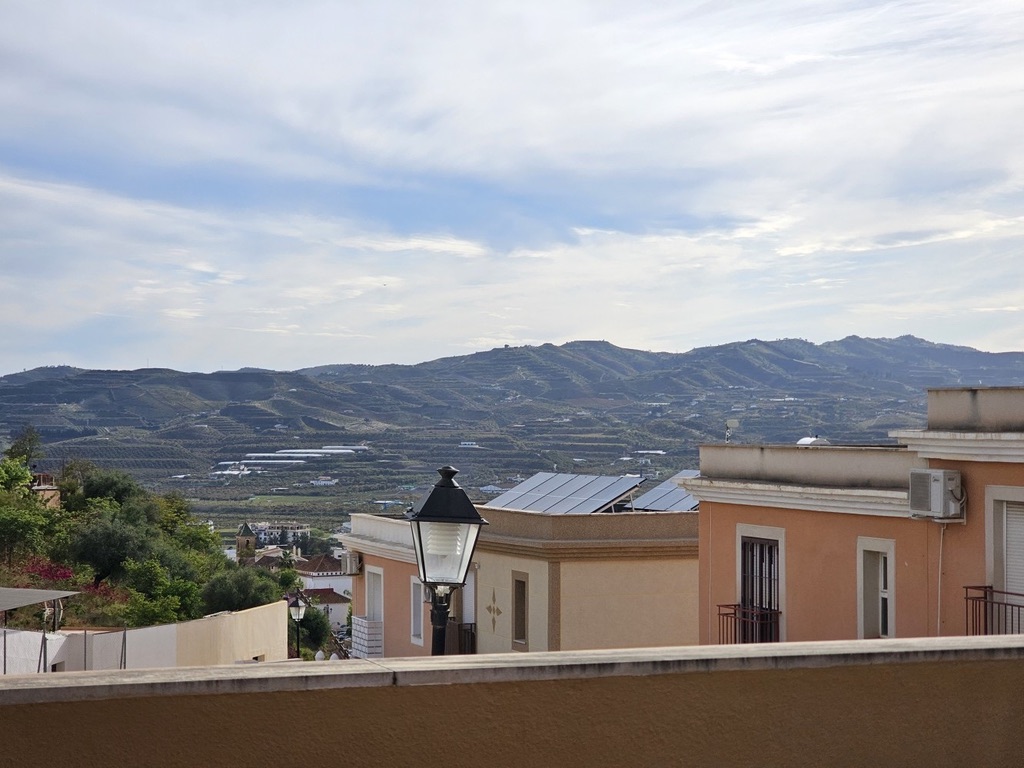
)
(496, 415)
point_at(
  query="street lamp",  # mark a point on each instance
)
(297, 608)
(445, 526)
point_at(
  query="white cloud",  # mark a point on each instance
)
(282, 185)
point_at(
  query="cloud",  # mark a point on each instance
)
(286, 185)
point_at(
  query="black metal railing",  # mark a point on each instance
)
(743, 624)
(993, 611)
(467, 638)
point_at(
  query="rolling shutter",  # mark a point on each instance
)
(1014, 556)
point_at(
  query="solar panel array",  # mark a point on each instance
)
(668, 497)
(566, 494)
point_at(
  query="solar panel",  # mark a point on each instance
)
(565, 494)
(668, 496)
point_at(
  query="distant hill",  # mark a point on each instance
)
(586, 404)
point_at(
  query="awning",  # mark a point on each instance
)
(11, 598)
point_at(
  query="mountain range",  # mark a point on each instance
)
(585, 406)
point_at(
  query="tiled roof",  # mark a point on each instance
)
(321, 564)
(325, 595)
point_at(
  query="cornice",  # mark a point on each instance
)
(565, 550)
(1007, 447)
(368, 545)
(850, 501)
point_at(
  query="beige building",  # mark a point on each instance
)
(573, 582)
(256, 634)
(605, 574)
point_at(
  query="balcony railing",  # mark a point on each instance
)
(743, 624)
(467, 638)
(993, 611)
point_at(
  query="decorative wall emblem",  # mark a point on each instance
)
(494, 610)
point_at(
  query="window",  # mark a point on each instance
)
(759, 615)
(416, 610)
(759, 590)
(520, 611)
(374, 594)
(876, 593)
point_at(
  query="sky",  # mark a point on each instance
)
(221, 184)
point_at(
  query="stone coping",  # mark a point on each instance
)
(257, 678)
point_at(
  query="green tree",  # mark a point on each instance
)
(316, 543)
(106, 545)
(21, 527)
(143, 611)
(316, 627)
(289, 579)
(25, 445)
(156, 597)
(239, 588)
(14, 475)
(174, 513)
(111, 484)
(72, 482)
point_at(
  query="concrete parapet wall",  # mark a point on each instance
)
(976, 409)
(819, 465)
(941, 701)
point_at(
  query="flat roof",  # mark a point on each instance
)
(12, 597)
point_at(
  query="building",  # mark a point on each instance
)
(45, 488)
(328, 572)
(279, 532)
(826, 542)
(572, 562)
(332, 604)
(246, 541)
(256, 634)
(564, 563)
(388, 600)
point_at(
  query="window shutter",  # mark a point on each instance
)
(1014, 556)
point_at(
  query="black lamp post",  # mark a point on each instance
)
(297, 608)
(445, 526)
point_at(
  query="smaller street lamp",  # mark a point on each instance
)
(445, 526)
(297, 608)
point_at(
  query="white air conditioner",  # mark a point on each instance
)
(935, 492)
(351, 563)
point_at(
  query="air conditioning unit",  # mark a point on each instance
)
(935, 492)
(351, 563)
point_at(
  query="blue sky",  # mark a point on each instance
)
(212, 185)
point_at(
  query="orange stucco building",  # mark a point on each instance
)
(844, 542)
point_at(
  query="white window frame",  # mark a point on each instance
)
(373, 569)
(745, 530)
(887, 548)
(417, 597)
(996, 497)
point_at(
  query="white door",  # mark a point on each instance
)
(374, 595)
